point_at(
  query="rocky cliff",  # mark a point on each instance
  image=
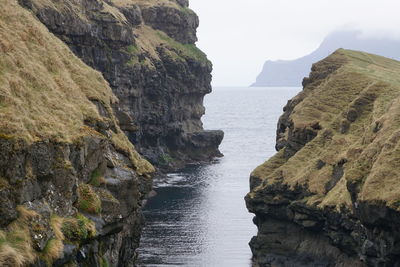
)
(331, 195)
(71, 183)
(291, 72)
(145, 49)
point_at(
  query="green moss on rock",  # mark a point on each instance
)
(185, 50)
(78, 229)
(96, 178)
(352, 104)
(88, 200)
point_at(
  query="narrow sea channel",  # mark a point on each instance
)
(199, 217)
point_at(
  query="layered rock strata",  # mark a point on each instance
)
(330, 196)
(146, 51)
(71, 183)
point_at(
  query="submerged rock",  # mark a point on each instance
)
(330, 196)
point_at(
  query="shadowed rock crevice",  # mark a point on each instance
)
(146, 51)
(71, 183)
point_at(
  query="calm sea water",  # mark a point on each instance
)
(199, 217)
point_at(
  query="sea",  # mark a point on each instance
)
(199, 217)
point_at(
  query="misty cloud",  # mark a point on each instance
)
(239, 35)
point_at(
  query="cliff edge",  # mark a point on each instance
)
(291, 72)
(146, 51)
(71, 183)
(331, 195)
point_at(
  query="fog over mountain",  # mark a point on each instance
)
(292, 72)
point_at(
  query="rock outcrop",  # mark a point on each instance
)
(330, 196)
(71, 183)
(146, 51)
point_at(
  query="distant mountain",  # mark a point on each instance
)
(292, 72)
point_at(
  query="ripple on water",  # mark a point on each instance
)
(198, 217)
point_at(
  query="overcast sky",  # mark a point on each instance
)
(239, 35)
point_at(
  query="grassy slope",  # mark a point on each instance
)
(46, 93)
(148, 39)
(369, 87)
(124, 3)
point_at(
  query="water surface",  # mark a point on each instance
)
(199, 217)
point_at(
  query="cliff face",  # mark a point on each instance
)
(291, 72)
(330, 196)
(71, 184)
(146, 51)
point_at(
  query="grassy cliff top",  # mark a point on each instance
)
(124, 3)
(147, 38)
(46, 92)
(354, 98)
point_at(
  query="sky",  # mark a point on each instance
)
(240, 35)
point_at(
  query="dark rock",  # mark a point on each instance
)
(180, 25)
(56, 194)
(320, 164)
(160, 97)
(58, 202)
(68, 255)
(184, 3)
(310, 200)
(337, 174)
(133, 14)
(8, 212)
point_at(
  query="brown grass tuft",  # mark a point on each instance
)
(52, 251)
(78, 229)
(45, 90)
(15, 242)
(122, 144)
(10, 256)
(88, 200)
(56, 224)
(357, 105)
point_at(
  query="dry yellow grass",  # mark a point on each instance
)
(365, 85)
(45, 91)
(10, 256)
(56, 224)
(149, 40)
(16, 245)
(114, 12)
(15, 242)
(142, 166)
(53, 250)
(88, 200)
(124, 3)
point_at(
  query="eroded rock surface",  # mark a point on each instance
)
(146, 51)
(71, 183)
(330, 196)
